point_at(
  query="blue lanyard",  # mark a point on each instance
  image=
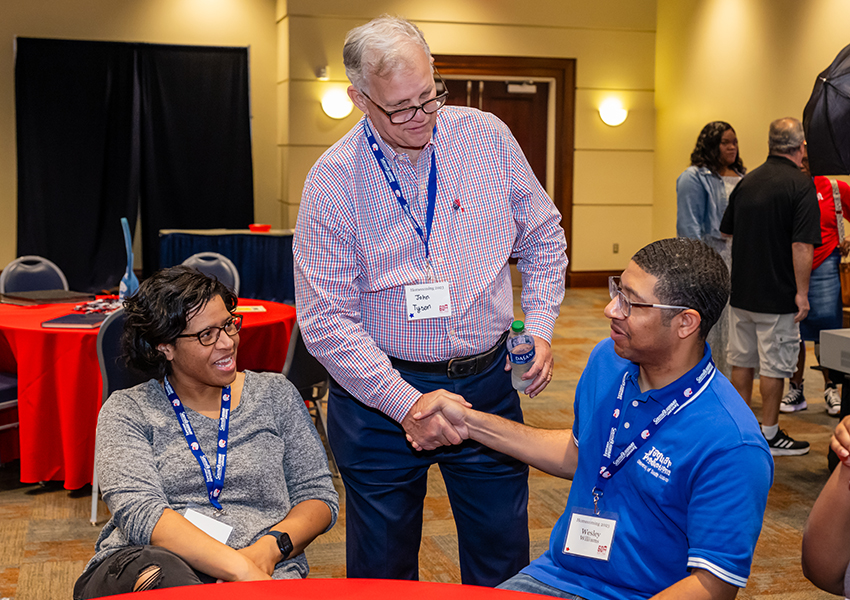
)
(214, 482)
(611, 467)
(425, 236)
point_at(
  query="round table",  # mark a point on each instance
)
(59, 383)
(350, 589)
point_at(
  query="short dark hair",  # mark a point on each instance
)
(159, 311)
(689, 273)
(707, 150)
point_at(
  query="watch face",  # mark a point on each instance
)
(285, 544)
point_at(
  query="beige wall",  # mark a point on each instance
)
(612, 42)
(201, 22)
(746, 62)
(676, 64)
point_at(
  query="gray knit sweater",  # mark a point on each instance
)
(275, 460)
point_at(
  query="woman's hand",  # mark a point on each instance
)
(264, 553)
(202, 552)
(247, 571)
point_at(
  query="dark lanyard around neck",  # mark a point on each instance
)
(392, 181)
(213, 481)
(611, 467)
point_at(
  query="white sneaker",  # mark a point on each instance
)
(833, 401)
(793, 399)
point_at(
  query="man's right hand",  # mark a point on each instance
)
(802, 302)
(433, 431)
(452, 411)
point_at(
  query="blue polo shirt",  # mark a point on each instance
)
(693, 496)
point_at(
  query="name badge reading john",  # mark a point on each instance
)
(590, 536)
(428, 301)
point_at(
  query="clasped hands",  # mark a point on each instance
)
(438, 418)
(435, 420)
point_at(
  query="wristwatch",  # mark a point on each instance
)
(283, 543)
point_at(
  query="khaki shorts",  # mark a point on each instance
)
(767, 341)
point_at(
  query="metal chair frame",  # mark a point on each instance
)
(311, 380)
(202, 261)
(10, 271)
(8, 387)
(128, 378)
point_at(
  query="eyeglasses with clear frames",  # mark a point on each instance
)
(210, 335)
(625, 305)
(403, 115)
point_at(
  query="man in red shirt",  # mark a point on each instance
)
(824, 294)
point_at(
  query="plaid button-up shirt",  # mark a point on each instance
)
(355, 251)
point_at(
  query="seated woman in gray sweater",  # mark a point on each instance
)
(211, 474)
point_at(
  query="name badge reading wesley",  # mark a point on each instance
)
(590, 536)
(428, 301)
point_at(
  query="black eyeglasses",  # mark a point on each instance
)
(210, 335)
(403, 115)
(624, 305)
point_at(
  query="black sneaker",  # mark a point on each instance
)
(793, 399)
(833, 401)
(785, 445)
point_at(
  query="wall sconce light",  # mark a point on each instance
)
(322, 73)
(612, 113)
(336, 103)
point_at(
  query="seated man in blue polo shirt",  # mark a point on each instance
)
(671, 480)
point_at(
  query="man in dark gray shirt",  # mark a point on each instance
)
(774, 219)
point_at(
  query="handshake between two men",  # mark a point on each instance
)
(439, 418)
(550, 450)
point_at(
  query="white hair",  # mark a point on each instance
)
(380, 47)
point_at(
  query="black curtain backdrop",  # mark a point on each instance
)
(196, 144)
(102, 126)
(77, 163)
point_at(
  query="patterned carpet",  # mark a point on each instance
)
(46, 539)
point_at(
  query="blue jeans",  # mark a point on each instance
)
(526, 583)
(824, 300)
(386, 483)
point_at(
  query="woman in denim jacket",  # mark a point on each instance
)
(702, 194)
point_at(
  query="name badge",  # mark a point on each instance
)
(212, 527)
(590, 536)
(428, 301)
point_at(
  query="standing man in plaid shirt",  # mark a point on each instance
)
(404, 293)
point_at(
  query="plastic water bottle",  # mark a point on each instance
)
(521, 355)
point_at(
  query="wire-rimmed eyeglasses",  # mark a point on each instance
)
(210, 335)
(624, 305)
(403, 115)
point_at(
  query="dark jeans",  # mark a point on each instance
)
(386, 483)
(120, 571)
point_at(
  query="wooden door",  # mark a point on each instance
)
(523, 106)
(524, 116)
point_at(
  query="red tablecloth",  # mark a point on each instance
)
(350, 589)
(59, 384)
